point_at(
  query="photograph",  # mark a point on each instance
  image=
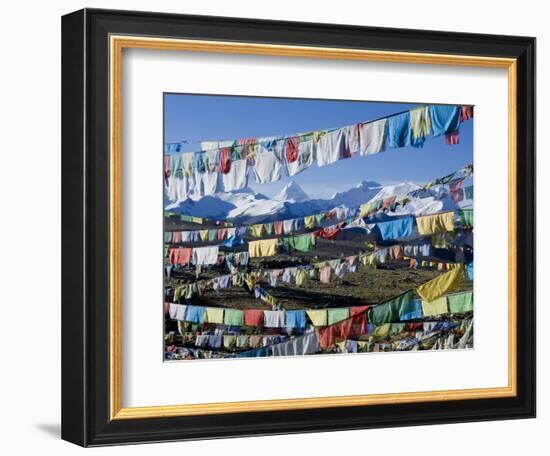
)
(296, 227)
(268, 225)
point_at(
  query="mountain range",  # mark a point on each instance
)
(248, 206)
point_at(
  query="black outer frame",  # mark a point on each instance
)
(85, 227)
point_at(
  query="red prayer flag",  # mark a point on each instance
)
(181, 255)
(466, 112)
(225, 160)
(278, 226)
(357, 310)
(452, 138)
(167, 165)
(291, 149)
(329, 233)
(253, 317)
(352, 327)
(176, 236)
(222, 234)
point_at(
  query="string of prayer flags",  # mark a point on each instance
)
(387, 337)
(195, 174)
(351, 322)
(238, 279)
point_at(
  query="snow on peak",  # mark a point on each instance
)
(368, 184)
(357, 195)
(292, 192)
(397, 190)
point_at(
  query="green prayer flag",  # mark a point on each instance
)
(405, 303)
(302, 243)
(233, 317)
(212, 235)
(466, 216)
(461, 303)
(391, 311)
(336, 315)
(469, 192)
(382, 313)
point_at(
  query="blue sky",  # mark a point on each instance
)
(196, 118)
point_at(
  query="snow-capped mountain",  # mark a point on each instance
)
(292, 192)
(361, 193)
(248, 206)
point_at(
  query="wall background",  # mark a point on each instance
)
(30, 190)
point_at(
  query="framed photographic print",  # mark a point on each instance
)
(268, 227)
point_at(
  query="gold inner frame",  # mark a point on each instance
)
(117, 44)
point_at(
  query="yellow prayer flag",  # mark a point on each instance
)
(309, 222)
(436, 307)
(438, 223)
(441, 285)
(188, 163)
(301, 277)
(341, 345)
(369, 260)
(229, 341)
(249, 280)
(256, 230)
(365, 209)
(267, 247)
(420, 122)
(382, 330)
(213, 315)
(317, 316)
